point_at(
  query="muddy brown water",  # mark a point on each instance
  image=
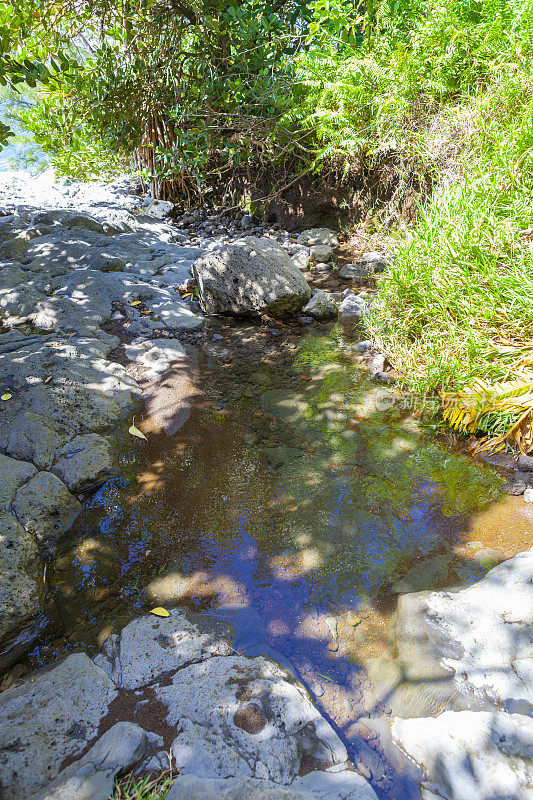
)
(290, 504)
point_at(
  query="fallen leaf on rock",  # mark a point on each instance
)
(6, 396)
(136, 303)
(160, 612)
(135, 431)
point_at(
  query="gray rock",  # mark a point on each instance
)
(321, 253)
(250, 277)
(159, 208)
(92, 777)
(525, 462)
(321, 305)
(356, 273)
(352, 304)
(246, 717)
(18, 304)
(483, 632)
(378, 262)
(378, 363)
(469, 754)
(178, 314)
(156, 355)
(12, 475)
(151, 646)
(33, 436)
(84, 462)
(21, 581)
(335, 784)
(44, 506)
(342, 785)
(67, 219)
(514, 487)
(47, 719)
(315, 236)
(301, 259)
(479, 635)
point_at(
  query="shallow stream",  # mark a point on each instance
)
(296, 502)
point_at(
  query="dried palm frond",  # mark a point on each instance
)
(502, 411)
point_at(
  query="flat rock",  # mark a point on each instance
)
(44, 506)
(33, 436)
(92, 777)
(250, 277)
(240, 716)
(318, 236)
(156, 355)
(342, 785)
(151, 646)
(84, 462)
(484, 633)
(48, 719)
(471, 754)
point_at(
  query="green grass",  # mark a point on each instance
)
(446, 91)
(462, 279)
(147, 788)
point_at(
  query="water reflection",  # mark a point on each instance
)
(291, 511)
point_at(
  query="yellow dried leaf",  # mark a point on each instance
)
(136, 432)
(136, 303)
(6, 396)
(160, 612)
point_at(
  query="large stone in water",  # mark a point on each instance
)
(250, 277)
(484, 633)
(48, 719)
(471, 755)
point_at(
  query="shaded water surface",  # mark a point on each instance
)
(290, 506)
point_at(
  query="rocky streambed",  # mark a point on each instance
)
(360, 613)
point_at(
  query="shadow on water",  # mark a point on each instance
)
(290, 506)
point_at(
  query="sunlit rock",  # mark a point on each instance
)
(250, 277)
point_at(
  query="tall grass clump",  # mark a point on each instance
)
(445, 89)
